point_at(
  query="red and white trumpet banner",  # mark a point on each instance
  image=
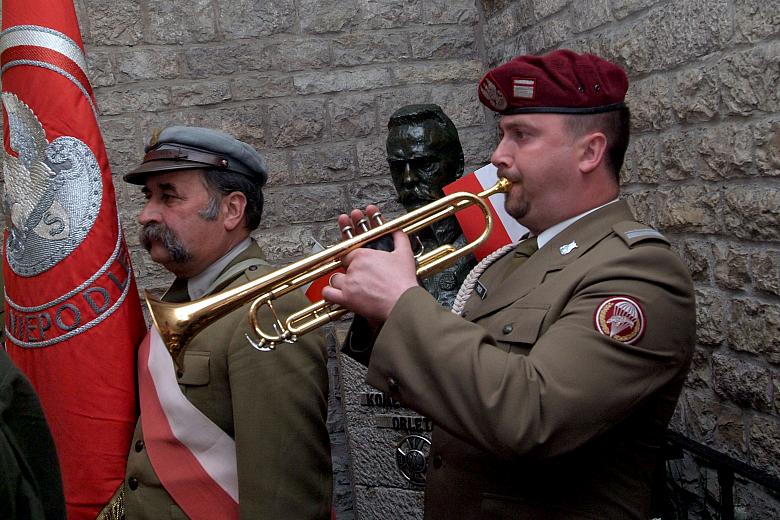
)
(506, 230)
(73, 317)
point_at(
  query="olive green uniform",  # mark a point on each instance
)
(273, 404)
(538, 413)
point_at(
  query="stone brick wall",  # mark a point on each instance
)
(311, 83)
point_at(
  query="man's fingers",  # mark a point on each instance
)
(333, 295)
(402, 244)
(345, 226)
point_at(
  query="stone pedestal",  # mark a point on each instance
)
(383, 439)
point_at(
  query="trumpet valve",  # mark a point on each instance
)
(363, 225)
(377, 218)
(347, 231)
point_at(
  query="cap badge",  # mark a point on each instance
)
(155, 138)
(524, 88)
(492, 94)
(568, 248)
(621, 318)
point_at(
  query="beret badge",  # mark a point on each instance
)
(492, 94)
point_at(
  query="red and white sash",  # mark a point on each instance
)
(193, 458)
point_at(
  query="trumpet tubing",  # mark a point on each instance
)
(177, 323)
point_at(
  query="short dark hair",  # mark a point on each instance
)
(616, 126)
(221, 183)
(417, 114)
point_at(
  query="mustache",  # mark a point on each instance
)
(414, 194)
(157, 231)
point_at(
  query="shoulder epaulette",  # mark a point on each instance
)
(248, 267)
(633, 232)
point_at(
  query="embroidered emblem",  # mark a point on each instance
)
(493, 95)
(621, 318)
(411, 457)
(53, 192)
(568, 248)
(446, 281)
(524, 88)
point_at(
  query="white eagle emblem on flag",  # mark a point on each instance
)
(52, 194)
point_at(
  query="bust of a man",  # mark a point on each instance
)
(425, 154)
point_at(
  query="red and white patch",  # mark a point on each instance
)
(621, 318)
(524, 88)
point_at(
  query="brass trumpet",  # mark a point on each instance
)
(178, 323)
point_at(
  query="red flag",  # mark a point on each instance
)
(506, 229)
(73, 318)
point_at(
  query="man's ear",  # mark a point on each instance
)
(593, 146)
(233, 206)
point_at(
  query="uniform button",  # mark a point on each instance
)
(139, 446)
(394, 385)
(132, 483)
(507, 328)
(437, 461)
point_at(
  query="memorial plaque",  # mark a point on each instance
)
(378, 399)
(410, 423)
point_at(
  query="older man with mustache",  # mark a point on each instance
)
(203, 199)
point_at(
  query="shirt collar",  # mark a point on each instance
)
(551, 232)
(199, 284)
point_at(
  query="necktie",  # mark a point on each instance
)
(178, 292)
(521, 253)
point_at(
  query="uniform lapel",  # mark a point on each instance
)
(586, 232)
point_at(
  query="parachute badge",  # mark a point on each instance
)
(621, 318)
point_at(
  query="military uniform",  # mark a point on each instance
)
(274, 404)
(539, 411)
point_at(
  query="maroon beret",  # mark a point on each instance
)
(561, 82)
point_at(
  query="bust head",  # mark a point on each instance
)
(424, 154)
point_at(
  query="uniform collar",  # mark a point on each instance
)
(198, 285)
(551, 232)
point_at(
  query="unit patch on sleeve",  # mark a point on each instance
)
(621, 318)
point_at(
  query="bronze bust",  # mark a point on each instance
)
(424, 154)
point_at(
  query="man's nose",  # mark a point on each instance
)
(149, 213)
(501, 158)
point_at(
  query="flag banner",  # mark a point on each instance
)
(313, 289)
(73, 316)
(506, 230)
(193, 458)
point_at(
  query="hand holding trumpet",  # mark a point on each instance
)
(374, 280)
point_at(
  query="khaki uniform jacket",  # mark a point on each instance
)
(538, 414)
(273, 404)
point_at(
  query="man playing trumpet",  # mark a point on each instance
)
(552, 388)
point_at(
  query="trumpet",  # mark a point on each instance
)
(178, 323)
